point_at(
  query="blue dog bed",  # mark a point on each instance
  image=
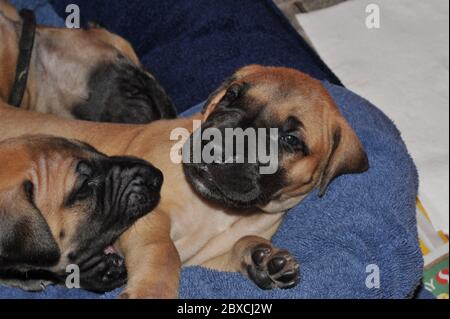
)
(363, 220)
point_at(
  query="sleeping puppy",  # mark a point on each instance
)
(61, 203)
(91, 75)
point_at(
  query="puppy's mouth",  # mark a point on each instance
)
(110, 250)
(85, 257)
(104, 271)
(205, 185)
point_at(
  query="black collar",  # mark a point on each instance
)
(23, 61)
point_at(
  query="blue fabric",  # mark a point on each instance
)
(193, 45)
(363, 219)
(423, 293)
(45, 14)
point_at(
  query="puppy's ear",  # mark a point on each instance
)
(25, 237)
(347, 155)
(217, 96)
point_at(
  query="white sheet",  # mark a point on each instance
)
(403, 68)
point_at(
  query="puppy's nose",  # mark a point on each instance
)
(141, 174)
(158, 180)
(149, 176)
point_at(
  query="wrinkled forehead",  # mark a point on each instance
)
(283, 95)
(60, 157)
(93, 42)
(70, 43)
(55, 168)
(53, 146)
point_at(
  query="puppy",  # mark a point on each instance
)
(222, 215)
(61, 203)
(91, 75)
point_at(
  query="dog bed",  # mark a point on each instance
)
(364, 222)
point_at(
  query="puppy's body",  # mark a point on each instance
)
(89, 74)
(52, 214)
(189, 227)
(201, 232)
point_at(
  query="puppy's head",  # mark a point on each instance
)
(315, 143)
(89, 74)
(62, 202)
(115, 86)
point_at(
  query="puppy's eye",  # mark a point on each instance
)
(233, 91)
(291, 140)
(86, 190)
(231, 95)
(28, 187)
(84, 168)
(292, 143)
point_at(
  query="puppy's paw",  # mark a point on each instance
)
(115, 272)
(30, 285)
(271, 268)
(37, 285)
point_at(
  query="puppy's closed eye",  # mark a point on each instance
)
(28, 188)
(84, 191)
(85, 169)
(84, 186)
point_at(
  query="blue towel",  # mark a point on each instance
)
(45, 14)
(363, 219)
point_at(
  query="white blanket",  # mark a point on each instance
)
(403, 68)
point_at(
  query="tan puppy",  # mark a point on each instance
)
(89, 74)
(205, 217)
(52, 212)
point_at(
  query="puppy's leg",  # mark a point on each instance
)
(33, 281)
(31, 285)
(267, 266)
(151, 258)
